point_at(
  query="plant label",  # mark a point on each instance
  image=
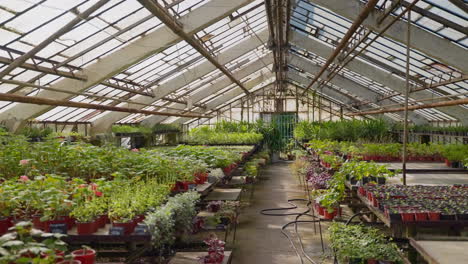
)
(141, 230)
(58, 228)
(116, 231)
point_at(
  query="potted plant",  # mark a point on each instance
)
(85, 255)
(21, 245)
(215, 250)
(85, 215)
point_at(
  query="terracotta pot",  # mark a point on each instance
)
(128, 227)
(434, 216)
(70, 221)
(329, 216)
(85, 228)
(420, 216)
(37, 223)
(4, 225)
(69, 262)
(321, 210)
(407, 217)
(86, 256)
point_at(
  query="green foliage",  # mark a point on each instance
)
(214, 157)
(34, 132)
(86, 161)
(455, 152)
(431, 129)
(20, 246)
(345, 130)
(205, 135)
(175, 216)
(128, 129)
(357, 241)
(235, 127)
(161, 128)
(272, 137)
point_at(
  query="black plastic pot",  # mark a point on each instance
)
(355, 261)
(353, 181)
(395, 218)
(462, 217)
(445, 217)
(381, 180)
(365, 180)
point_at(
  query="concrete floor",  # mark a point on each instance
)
(259, 239)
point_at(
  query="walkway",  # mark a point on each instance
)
(259, 238)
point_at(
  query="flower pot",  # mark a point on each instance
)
(128, 227)
(69, 262)
(101, 221)
(355, 261)
(394, 218)
(59, 255)
(433, 216)
(4, 225)
(420, 216)
(381, 180)
(249, 179)
(85, 228)
(447, 217)
(329, 216)
(407, 217)
(372, 261)
(37, 223)
(321, 210)
(70, 221)
(86, 256)
(175, 187)
(462, 217)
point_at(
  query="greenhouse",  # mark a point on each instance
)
(233, 131)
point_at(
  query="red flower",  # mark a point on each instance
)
(98, 194)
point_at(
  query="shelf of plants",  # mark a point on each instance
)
(418, 203)
(106, 193)
(342, 155)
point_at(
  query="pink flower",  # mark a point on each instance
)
(24, 162)
(24, 178)
(135, 150)
(98, 193)
(94, 186)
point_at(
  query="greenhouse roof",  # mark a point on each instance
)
(190, 58)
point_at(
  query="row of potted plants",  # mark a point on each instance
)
(452, 154)
(419, 203)
(330, 175)
(358, 244)
(81, 160)
(53, 201)
(374, 130)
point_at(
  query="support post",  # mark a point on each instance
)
(405, 124)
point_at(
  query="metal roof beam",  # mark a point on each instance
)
(105, 122)
(69, 26)
(426, 42)
(134, 52)
(161, 13)
(374, 73)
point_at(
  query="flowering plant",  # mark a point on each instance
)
(215, 250)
